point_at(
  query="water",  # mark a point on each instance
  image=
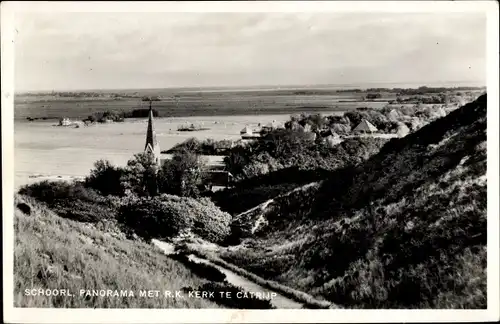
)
(40, 148)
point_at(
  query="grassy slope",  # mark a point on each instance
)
(405, 229)
(53, 252)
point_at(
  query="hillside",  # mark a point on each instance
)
(51, 252)
(405, 229)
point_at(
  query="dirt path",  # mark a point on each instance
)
(278, 300)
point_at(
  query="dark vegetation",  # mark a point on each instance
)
(167, 216)
(404, 229)
(203, 147)
(265, 170)
(72, 200)
(119, 116)
(413, 91)
(139, 200)
(191, 128)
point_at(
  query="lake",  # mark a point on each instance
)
(40, 148)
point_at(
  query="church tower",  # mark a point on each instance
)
(152, 146)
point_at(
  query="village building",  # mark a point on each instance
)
(64, 122)
(213, 176)
(393, 115)
(246, 131)
(307, 128)
(152, 146)
(402, 130)
(272, 126)
(365, 127)
(332, 140)
(249, 133)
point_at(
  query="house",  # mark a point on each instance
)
(402, 130)
(246, 131)
(365, 127)
(217, 178)
(332, 140)
(272, 126)
(393, 115)
(307, 128)
(64, 122)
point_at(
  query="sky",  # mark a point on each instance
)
(76, 51)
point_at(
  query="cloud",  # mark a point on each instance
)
(115, 50)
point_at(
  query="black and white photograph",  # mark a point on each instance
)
(231, 156)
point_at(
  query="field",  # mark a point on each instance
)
(192, 104)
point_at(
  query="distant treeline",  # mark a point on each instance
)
(118, 116)
(411, 91)
(90, 94)
(204, 147)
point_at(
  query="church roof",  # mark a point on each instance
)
(152, 145)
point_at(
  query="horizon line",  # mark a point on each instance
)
(356, 85)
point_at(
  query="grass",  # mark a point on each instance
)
(53, 253)
(190, 104)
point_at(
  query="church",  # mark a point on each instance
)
(152, 145)
(211, 176)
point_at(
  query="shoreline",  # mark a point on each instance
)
(201, 114)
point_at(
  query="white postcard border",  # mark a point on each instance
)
(29, 315)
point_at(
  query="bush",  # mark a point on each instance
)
(153, 218)
(207, 220)
(166, 216)
(52, 192)
(106, 178)
(72, 200)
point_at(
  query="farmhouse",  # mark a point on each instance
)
(365, 127)
(64, 122)
(272, 126)
(246, 131)
(217, 178)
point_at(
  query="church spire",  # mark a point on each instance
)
(152, 146)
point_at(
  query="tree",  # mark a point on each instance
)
(140, 176)
(106, 178)
(237, 159)
(182, 175)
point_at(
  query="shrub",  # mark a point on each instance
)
(153, 218)
(106, 178)
(72, 200)
(166, 216)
